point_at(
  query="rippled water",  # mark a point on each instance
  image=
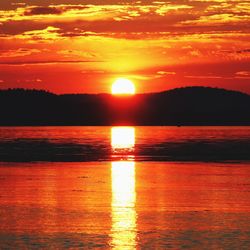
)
(124, 205)
(66, 144)
(125, 188)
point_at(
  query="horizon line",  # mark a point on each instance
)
(125, 95)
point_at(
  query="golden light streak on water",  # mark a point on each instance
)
(122, 137)
(123, 230)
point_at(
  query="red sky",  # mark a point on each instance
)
(75, 46)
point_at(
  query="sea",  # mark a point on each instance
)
(125, 187)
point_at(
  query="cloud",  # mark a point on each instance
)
(36, 80)
(218, 18)
(127, 19)
(144, 77)
(166, 8)
(81, 33)
(17, 52)
(90, 12)
(42, 11)
(23, 63)
(49, 33)
(166, 73)
(242, 75)
(91, 72)
(207, 77)
(195, 53)
(18, 4)
(243, 51)
(78, 53)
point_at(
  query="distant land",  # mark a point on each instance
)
(182, 106)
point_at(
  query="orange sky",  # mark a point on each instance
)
(75, 46)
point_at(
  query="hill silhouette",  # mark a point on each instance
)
(182, 106)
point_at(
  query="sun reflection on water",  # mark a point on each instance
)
(123, 143)
(123, 230)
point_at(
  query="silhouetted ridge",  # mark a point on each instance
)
(182, 106)
(26, 92)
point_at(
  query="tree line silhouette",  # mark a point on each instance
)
(182, 106)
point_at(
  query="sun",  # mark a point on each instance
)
(123, 86)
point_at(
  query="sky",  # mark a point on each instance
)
(82, 46)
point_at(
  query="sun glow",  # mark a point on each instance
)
(123, 86)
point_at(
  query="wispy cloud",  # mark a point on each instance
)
(36, 80)
(243, 51)
(166, 73)
(21, 63)
(32, 11)
(17, 52)
(242, 75)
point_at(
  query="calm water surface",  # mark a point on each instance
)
(140, 188)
